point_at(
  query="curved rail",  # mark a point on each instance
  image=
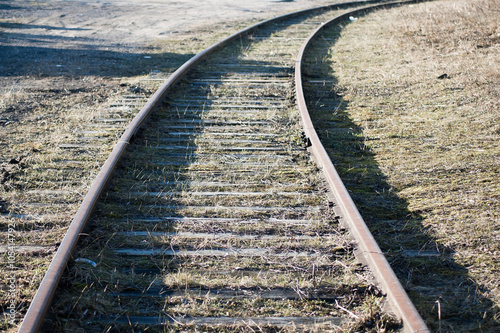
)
(41, 302)
(399, 300)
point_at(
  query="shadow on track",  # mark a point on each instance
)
(420, 262)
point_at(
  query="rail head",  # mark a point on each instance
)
(42, 300)
(397, 296)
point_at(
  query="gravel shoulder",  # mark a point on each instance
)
(51, 38)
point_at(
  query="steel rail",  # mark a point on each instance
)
(397, 296)
(45, 293)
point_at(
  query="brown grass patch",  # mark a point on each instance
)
(422, 83)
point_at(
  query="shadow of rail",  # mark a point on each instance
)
(420, 262)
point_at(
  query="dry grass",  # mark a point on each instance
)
(453, 124)
(421, 83)
(42, 184)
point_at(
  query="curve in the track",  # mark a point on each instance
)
(47, 289)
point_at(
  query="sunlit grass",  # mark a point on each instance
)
(418, 88)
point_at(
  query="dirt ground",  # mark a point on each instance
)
(50, 43)
(62, 37)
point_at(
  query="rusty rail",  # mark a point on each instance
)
(398, 299)
(42, 300)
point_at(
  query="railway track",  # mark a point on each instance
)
(215, 216)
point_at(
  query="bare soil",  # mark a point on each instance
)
(50, 43)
